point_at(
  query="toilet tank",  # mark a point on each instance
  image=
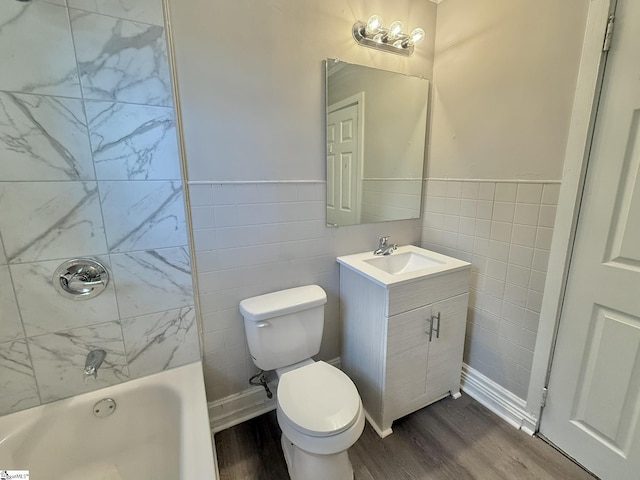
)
(284, 327)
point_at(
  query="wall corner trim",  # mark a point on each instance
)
(240, 407)
(498, 399)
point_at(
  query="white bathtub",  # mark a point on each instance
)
(159, 430)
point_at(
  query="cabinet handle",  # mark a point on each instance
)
(437, 329)
(430, 332)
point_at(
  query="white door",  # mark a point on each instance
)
(593, 404)
(343, 164)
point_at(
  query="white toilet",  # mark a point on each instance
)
(319, 410)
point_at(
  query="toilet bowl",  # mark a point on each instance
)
(319, 409)
(321, 416)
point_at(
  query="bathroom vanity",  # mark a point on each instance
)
(404, 318)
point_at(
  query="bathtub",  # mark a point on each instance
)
(159, 430)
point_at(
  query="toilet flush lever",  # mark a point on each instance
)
(263, 324)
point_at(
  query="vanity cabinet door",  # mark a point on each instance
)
(407, 355)
(445, 350)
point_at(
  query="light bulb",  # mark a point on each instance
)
(374, 24)
(416, 35)
(395, 29)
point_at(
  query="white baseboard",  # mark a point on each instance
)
(240, 407)
(381, 433)
(253, 402)
(499, 400)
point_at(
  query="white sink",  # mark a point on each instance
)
(405, 265)
(406, 262)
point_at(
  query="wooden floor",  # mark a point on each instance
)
(451, 439)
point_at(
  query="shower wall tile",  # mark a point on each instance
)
(37, 29)
(59, 358)
(120, 60)
(143, 215)
(71, 158)
(161, 340)
(44, 220)
(152, 281)
(10, 325)
(145, 11)
(19, 389)
(53, 312)
(133, 142)
(43, 138)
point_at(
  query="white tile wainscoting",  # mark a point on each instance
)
(258, 237)
(504, 229)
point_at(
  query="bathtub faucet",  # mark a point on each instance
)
(94, 360)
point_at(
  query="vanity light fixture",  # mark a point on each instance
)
(373, 35)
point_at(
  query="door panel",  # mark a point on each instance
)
(625, 234)
(593, 402)
(346, 182)
(606, 405)
(342, 165)
(331, 167)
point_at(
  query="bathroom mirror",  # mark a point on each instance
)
(376, 130)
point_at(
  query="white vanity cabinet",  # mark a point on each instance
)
(402, 343)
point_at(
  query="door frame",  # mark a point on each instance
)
(357, 100)
(576, 159)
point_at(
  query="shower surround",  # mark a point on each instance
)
(89, 166)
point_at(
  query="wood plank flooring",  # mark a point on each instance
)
(451, 439)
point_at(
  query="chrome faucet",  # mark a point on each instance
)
(384, 248)
(93, 362)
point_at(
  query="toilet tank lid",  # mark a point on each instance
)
(283, 302)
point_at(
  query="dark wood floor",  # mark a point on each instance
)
(451, 439)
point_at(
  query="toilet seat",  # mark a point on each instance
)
(318, 400)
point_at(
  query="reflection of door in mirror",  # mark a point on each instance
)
(345, 124)
(384, 181)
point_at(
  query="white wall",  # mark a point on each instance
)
(253, 111)
(504, 78)
(252, 83)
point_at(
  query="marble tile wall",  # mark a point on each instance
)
(89, 167)
(504, 229)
